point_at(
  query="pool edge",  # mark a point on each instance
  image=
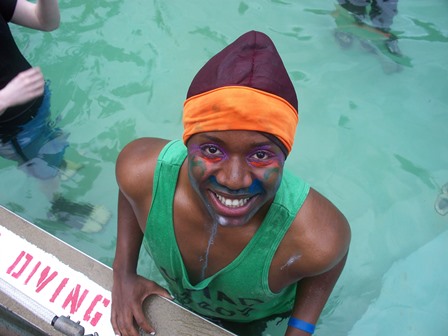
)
(166, 315)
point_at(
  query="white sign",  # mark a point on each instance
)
(53, 284)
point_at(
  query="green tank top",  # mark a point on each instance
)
(239, 292)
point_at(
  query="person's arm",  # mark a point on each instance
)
(23, 88)
(129, 290)
(134, 174)
(323, 240)
(312, 295)
(42, 15)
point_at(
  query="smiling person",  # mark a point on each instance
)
(238, 238)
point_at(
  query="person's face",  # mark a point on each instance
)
(235, 173)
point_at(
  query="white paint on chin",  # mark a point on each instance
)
(222, 221)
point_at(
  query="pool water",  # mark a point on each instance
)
(372, 135)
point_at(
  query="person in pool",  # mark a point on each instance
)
(381, 14)
(237, 237)
(25, 96)
(27, 136)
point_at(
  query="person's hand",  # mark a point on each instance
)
(128, 294)
(26, 86)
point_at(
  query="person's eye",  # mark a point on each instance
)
(261, 155)
(211, 150)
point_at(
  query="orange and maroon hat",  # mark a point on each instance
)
(243, 87)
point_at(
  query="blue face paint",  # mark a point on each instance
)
(255, 188)
(235, 173)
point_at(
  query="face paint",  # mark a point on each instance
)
(273, 165)
(201, 161)
(235, 173)
(255, 188)
(264, 157)
(211, 240)
(271, 172)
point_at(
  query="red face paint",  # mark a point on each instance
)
(235, 173)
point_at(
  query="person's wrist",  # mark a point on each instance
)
(120, 271)
(301, 325)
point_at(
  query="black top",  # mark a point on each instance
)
(12, 62)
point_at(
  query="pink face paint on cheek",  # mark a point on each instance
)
(257, 164)
(209, 161)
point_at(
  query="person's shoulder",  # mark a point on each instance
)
(137, 160)
(322, 232)
(143, 148)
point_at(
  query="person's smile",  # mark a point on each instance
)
(235, 173)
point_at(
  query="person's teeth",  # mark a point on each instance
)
(232, 203)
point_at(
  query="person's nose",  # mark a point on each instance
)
(235, 174)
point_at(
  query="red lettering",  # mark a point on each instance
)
(45, 279)
(92, 305)
(32, 273)
(28, 258)
(74, 299)
(97, 315)
(59, 289)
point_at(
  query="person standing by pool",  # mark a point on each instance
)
(24, 95)
(26, 134)
(237, 237)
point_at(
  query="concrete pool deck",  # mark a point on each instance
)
(67, 282)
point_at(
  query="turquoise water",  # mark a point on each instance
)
(372, 135)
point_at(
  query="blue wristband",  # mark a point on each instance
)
(301, 325)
